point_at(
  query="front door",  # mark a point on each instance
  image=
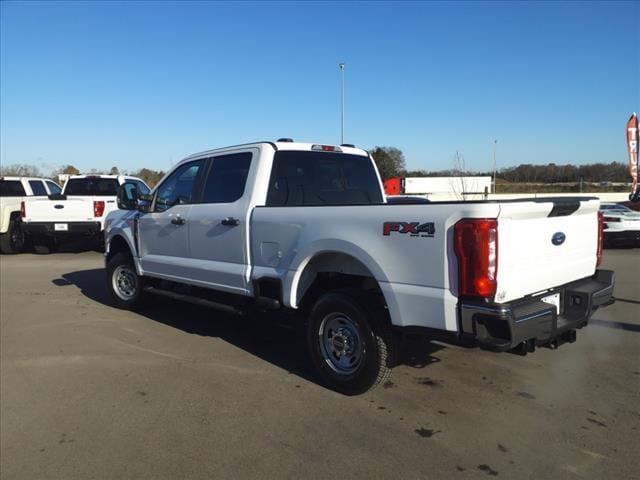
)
(163, 232)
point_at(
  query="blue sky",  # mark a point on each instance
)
(144, 84)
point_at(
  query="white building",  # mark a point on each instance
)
(458, 186)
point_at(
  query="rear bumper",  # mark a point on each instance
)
(529, 322)
(74, 228)
(623, 236)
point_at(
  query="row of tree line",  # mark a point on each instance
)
(391, 163)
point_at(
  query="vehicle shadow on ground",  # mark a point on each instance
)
(78, 246)
(274, 337)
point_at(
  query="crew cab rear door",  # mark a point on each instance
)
(218, 223)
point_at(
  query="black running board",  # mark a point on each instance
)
(195, 300)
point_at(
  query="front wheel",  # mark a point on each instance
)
(124, 283)
(351, 348)
(13, 240)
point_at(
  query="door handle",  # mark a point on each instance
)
(178, 220)
(230, 221)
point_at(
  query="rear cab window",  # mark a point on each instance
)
(11, 188)
(92, 186)
(304, 178)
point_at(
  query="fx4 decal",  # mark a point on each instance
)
(414, 229)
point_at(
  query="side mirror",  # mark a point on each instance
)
(127, 197)
(144, 202)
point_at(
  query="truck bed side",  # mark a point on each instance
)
(412, 269)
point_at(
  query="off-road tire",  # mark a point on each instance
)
(122, 278)
(377, 355)
(13, 240)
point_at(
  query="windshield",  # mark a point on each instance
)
(11, 188)
(93, 186)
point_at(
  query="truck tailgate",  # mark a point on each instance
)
(545, 243)
(79, 209)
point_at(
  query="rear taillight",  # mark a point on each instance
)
(600, 229)
(98, 208)
(23, 209)
(476, 246)
(610, 219)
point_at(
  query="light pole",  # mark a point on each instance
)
(495, 145)
(341, 65)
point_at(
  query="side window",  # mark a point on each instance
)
(54, 188)
(177, 189)
(37, 187)
(142, 188)
(227, 178)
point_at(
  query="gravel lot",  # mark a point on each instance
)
(89, 391)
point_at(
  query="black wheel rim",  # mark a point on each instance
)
(17, 237)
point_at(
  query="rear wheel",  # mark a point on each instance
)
(124, 283)
(350, 346)
(13, 240)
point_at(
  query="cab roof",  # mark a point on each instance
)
(282, 146)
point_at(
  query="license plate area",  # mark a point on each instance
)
(61, 227)
(554, 300)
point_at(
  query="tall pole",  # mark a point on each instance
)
(495, 145)
(341, 65)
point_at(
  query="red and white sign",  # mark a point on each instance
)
(632, 144)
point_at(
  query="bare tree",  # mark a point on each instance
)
(458, 182)
(20, 170)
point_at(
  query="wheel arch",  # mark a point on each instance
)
(329, 269)
(117, 244)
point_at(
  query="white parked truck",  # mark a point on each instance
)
(13, 191)
(78, 210)
(306, 227)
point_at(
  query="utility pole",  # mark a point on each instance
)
(495, 146)
(341, 65)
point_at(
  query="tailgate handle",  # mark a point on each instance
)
(563, 209)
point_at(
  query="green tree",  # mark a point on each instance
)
(150, 177)
(70, 170)
(389, 160)
(114, 171)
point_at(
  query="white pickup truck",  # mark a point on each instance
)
(307, 228)
(79, 210)
(13, 191)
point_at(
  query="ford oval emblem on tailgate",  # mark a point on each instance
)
(58, 206)
(558, 238)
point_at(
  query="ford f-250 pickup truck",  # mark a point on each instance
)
(307, 228)
(13, 192)
(79, 210)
